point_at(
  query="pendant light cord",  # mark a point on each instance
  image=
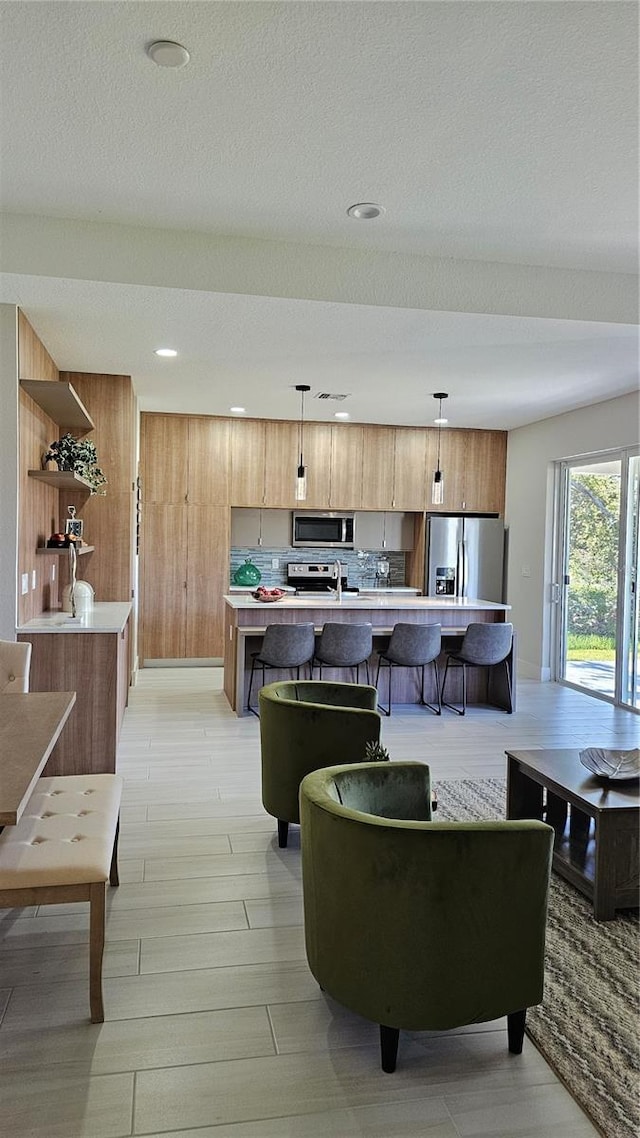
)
(301, 425)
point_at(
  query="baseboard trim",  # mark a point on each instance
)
(198, 662)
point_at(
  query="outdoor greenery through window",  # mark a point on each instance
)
(594, 513)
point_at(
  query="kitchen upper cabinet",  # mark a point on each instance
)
(247, 445)
(207, 580)
(281, 463)
(253, 528)
(378, 461)
(208, 454)
(412, 481)
(485, 460)
(452, 452)
(164, 458)
(383, 530)
(317, 459)
(347, 447)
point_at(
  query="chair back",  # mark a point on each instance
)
(486, 643)
(414, 644)
(345, 645)
(15, 662)
(287, 645)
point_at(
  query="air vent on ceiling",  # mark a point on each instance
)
(329, 395)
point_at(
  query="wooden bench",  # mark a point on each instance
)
(65, 848)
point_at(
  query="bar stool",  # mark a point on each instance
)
(412, 646)
(483, 646)
(283, 646)
(344, 646)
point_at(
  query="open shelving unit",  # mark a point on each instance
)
(61, 479)
(61, 402)
(65, 549)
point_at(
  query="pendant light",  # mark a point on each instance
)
(437, 486)
(301, 477)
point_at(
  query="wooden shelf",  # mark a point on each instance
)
(61, 402)
(61, 479)
(80, 549)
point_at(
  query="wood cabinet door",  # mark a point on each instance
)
(246, 527)
(276, 529)
(281, 463)
(207, 580)
(378, 460)
(247, 443)
(485, 471)
(412, 480)
(317, 459)
(452, 452)
(208, 475)
(164, 580)
(369, 530)
(164, 457)
(398, 531)
(347, 445)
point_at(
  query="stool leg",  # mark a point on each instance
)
(97, 894)
(442, 701)
(253, 664)
(389, 1037)
(436, 710)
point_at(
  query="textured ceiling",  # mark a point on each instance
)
(497, 132)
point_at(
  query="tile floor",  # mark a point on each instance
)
(215, 1028)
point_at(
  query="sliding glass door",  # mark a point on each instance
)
(598, 574)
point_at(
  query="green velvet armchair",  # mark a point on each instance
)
(417, 924)
(306, 724)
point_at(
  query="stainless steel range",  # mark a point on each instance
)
(313, 577)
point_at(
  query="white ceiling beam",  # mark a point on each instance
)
(80, 250)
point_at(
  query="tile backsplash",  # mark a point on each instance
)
(360, 568)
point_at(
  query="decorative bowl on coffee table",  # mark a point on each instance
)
(612, 764)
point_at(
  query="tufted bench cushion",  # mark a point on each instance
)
(65, 835)
(64, 848)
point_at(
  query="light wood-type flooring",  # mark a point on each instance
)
(214, 1026)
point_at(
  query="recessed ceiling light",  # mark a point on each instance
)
(365, 211)
(441, 422)
(166, 352)
(238, 410)
(341, 415)
(165, 53)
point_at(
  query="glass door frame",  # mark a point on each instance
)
(625, 575)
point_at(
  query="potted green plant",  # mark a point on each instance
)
(79, 456)
(376, 753)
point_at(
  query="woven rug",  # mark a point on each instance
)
(587, 1027)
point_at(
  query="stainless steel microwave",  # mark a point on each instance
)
(326, 529)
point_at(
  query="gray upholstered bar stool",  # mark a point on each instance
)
(484, 646)
(283, 646)
(344, 646)
(412, 646)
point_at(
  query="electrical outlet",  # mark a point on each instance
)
(275, 562)
(24, 584)
(526, 571)
(34, 579)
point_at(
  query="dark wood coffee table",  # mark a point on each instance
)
(596, 824)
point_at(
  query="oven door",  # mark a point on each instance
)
(323, 530)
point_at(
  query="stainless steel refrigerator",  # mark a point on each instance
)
(465, 556)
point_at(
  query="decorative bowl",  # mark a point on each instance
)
(268, 598)
(612, 764)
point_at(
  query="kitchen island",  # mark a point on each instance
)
(247, 618)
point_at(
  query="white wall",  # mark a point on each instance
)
(531, 452)
(8, 469)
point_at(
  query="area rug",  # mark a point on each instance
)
(587, 1028)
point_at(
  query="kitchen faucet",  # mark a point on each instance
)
(337, 568)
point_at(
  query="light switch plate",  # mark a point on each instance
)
(275, 562)
(24, 584)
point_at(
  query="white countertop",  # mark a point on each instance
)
(354, 601)
(105, 616)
